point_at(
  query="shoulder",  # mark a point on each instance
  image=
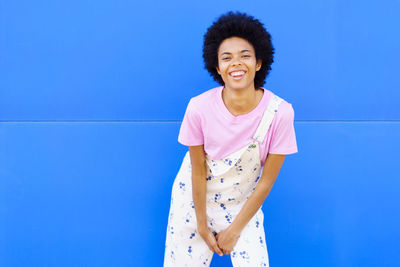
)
(285, 110)
(201, 101)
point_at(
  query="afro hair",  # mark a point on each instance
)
(239, 25)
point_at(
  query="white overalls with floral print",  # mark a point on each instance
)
(230, 182)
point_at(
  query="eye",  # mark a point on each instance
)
(225, 58)
(246, 55)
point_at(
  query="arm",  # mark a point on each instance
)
(199, 185)
(270, 172)
(199, 189)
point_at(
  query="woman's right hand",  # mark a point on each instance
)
(210, 240)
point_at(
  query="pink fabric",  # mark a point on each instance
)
(207, 121)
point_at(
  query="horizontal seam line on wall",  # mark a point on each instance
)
(173, 121)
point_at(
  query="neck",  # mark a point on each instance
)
(241, 100)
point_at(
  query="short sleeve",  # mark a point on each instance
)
(283, 140)
(190, 133)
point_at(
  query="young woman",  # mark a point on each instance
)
(238, 135)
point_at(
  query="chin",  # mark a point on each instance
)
(238, 85)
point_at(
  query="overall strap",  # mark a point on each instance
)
(267, 118)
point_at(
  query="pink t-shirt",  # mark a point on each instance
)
(207, 121)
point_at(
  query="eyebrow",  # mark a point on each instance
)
(229, 53)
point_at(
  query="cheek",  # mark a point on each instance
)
(222, 68)
(253, 63)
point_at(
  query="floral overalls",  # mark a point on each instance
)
(230, 182)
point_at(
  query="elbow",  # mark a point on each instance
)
(264, 187)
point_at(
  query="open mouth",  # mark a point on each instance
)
(237, 75)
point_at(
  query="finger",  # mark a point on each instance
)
(213, 245)
(216, 248)
(209, 241)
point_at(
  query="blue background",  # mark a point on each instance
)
(92, 94)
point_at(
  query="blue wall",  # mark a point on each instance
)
(92, 94)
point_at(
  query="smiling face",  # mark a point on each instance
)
(237, 63)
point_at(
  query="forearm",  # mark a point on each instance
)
(269, 174)
(199, 184)
(199, 189)
(250, 207)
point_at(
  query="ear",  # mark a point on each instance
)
(259, 64)
(218, 70)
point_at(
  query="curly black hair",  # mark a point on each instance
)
(241, 25)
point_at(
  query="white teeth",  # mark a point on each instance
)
(237, 73)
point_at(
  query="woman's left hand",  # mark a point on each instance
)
(227, 239)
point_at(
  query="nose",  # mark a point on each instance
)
(236, 63)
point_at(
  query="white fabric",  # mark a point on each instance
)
(230, 182)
